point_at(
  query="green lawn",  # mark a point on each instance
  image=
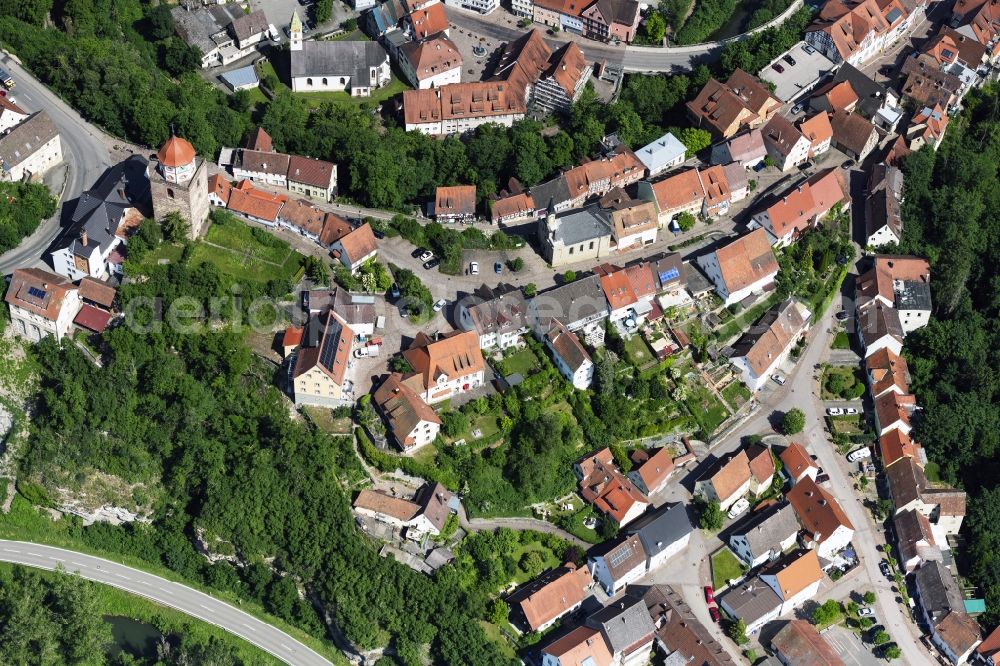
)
(847, 425)
(323, 418)
(706, 410)
(523, 362)
(550, 558)
(494, 634)
(841, 341)
(112, 601)
(638, 351)
(240, 237)
(736, 394)
(725, 567)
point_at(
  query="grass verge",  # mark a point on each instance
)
(725, 567)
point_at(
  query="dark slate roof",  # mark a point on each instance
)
(352, 59)
(624, 622)
(751, 600)
(660, 529)
(766, 528)
(938, 591)
(571, 302)
(554, 191)
(913, 295)
(99, 210)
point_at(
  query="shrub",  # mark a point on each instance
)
(793, 422)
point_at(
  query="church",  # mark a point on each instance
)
(355, 67)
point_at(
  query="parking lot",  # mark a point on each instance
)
(795, 81)
(850, 648)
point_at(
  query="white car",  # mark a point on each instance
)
(834, 411)
(741, 505)
(778, 379)
(440, 305)
(866, 612)
(850, 410)
(427, 256)
(474, 268)
(859, 454)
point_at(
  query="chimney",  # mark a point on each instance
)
(83, 237)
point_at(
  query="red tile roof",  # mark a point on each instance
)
(317, 173)
(92, 318)
(248, 200)
(176, 152)
(38, 291)
(746, 260)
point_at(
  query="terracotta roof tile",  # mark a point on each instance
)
(551, 595)
(728, 474)
(453, 355)
(403, 408)
(895, 445)
(817, 128)
(97, 291)
(317, 173)
(516, 205)
(379, 502)
(795, 572)
(818, 511)
(797, 460)
(579, 645)
(218, 185)
(248, 200)
(480, 99)
(38, 291)
(429, 20)
(801, 645)
(432, 57)
(359, 243)
(761, 462)
(679, 191)
(656, 468)
(746, 260)
(455, 200)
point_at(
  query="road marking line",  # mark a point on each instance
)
(54, 559)
(205, 607)
(8, 550)
(247, 625)
(287, 648)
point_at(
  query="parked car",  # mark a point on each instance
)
(498, 268)
(859, 454)
(849, 164)
(394, 290)
(778, 68)
(418, 252)
(796, 109)
(760, 166)
(868, 611)
(883, 566)
(850, 411)
(378, 234)
(741, 505)
(778, 379)
(834, 411)
(790, 60)
(427, 255)
(714, 612)
(808, 49)
(474, 268)
(822, 478)
(439, 305)
(841, 316)
(709, 595)
(432, 263)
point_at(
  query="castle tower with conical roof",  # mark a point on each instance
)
(179, 183)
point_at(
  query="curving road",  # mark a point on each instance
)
(501, 27)
(84, 150)
(177, 596)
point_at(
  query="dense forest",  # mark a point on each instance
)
(22, 207)
(950, 217)
(119, 63)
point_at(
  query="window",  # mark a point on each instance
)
(309, 81)
(325, 81)
(170, 193)
(342, 81)
(591, 245)
(571, 250)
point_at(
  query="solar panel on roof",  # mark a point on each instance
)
(36, 292)
(669, 274)
(620, 555)
(329, 349)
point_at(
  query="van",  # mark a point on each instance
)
(6, 79)
(739, 507)
(859, 454)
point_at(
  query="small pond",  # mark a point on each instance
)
(132, 636)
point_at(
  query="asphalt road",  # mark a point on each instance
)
(83, 150)
(177, 596)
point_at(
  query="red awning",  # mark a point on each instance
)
(93, 319)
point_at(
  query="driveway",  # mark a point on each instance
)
(850, 648)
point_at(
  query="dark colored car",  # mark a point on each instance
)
(378, 234)
(432, 263)
(790, 60)
(822, 478)
(416, 253)
(714, 612)
(498, 268)
(848, 164)
(778, 68)
(709, 594)
(883, 566)
(841, 316)
(394, 290)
